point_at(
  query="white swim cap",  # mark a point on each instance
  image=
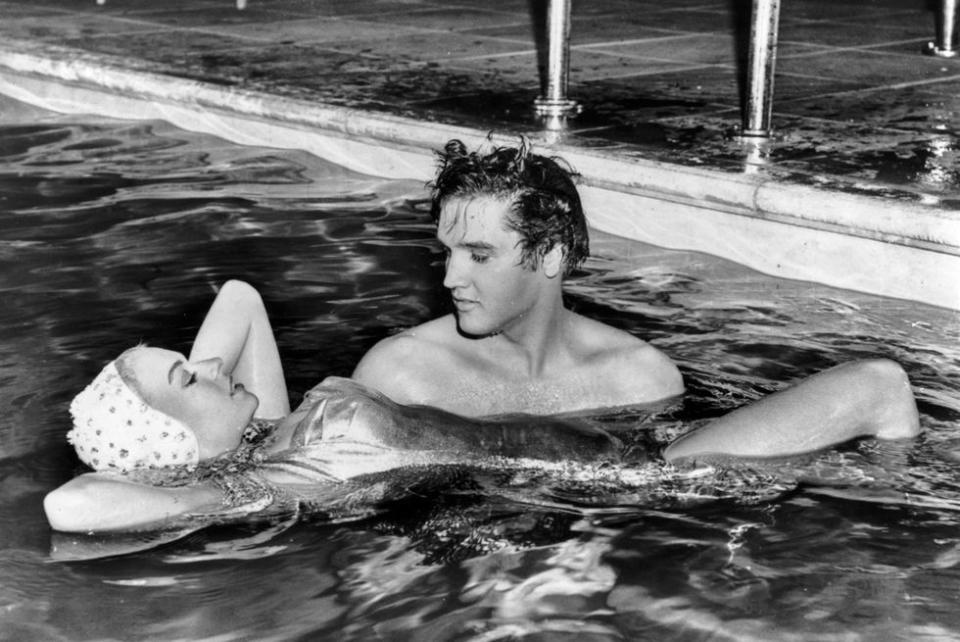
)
(115, 429)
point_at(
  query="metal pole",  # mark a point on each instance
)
(554, 105)
(764, 22)
(945, 45)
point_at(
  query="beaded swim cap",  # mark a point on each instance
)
(115, 429)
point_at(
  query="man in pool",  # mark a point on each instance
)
(512, 226)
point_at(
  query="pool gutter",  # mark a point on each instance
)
(896, 248)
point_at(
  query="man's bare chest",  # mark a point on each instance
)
(481, 393)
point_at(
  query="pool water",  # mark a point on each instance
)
(115, 232)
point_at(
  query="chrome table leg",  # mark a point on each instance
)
(553, 106)
(764, 23)
(945, 44)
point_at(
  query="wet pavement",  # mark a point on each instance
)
(857, 107)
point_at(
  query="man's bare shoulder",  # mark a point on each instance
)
(396, 364)
(626, 361)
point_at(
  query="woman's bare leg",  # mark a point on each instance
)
(858, 399)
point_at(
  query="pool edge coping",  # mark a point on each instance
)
(698, 191)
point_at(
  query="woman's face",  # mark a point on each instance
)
(195, 393)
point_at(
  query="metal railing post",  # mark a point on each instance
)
(553, 105)
(764, 23)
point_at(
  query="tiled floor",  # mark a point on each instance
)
(856, 105)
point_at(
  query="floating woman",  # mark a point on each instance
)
(179, 441)
(174, 440)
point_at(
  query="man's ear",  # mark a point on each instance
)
(553, 261)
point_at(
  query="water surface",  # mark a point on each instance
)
(115, 232)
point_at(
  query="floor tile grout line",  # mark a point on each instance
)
(873, 50)
(859, 20)
(261, 41)
(108, 18)
(875, 88)
(227, 30)
(638, 41)
(324, 47)
(654, 72)
(497, 56)
(843, 124)
(820, 49)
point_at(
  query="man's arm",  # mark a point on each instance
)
(657, 376)
(390, 367)
(96, 502)
(859, 399)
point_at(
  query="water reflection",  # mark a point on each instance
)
(942, 163)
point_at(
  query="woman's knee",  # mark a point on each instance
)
(884, 373)
(895, 402)
(238, 288)
(240, 294)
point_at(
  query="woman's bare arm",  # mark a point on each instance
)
(97, 502)
(237, 330)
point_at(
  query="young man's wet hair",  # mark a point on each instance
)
(545, 206)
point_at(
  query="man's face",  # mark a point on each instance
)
(492, 292)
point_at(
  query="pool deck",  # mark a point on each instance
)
(859, 187)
